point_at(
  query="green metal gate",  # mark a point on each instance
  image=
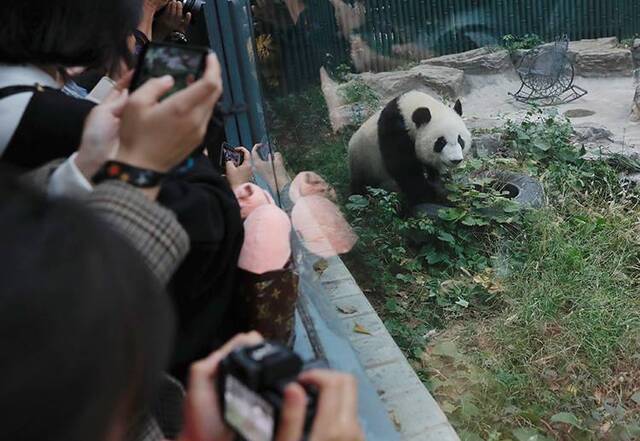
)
(300, 45)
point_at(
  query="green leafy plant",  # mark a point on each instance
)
(514, 43)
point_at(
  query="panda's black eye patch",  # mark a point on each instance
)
(440, 144)
(461, 142)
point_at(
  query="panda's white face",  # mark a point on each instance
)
(443, 142)
(441, 137)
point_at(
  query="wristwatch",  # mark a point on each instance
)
(138, 177)
(177, 37)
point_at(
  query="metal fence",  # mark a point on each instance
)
(295, 37)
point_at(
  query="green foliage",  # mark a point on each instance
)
(363, 99)
(342, 72)
(528, 41)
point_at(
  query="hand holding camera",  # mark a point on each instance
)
(247, 387)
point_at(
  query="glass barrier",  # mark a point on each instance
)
(485, 153)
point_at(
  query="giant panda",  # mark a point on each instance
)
(407, 146)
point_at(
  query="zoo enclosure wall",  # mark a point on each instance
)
(294, 38)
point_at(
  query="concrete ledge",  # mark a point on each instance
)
(414, 411)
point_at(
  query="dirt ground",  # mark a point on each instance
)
(487, 103)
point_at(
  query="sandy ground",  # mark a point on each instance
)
(487, 102)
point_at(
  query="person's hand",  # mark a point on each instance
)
(203, 416)
(100, 137)
(337, 410)
(159, 135)
(241, 174)
(155, 5)
(172, 19)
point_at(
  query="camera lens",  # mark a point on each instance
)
(193, 6)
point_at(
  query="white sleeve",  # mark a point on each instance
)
(68, 180)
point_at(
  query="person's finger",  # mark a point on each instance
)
(246, 154)
(118, 106)
(151, 91)
(113, 96)
(208, 366)
(328, 385)
(178, 10)
(125, 81)
(294, 409)
(187, 19)
(116, 102)
(205, 91)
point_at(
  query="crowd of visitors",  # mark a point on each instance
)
(131, 264)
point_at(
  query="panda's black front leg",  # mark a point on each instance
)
(419, 189)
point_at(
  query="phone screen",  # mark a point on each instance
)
(245, 411)
(184, 63)
(229, 153)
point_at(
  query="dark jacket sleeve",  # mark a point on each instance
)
(205, 287)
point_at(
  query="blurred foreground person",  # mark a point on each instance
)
(84, 332)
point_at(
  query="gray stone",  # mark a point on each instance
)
(602, 57)
(478, 61)
(444, 81)
(594, 44)
(609, 63)
(584, 133)
(487, 144)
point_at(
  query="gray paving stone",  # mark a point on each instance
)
(341, 288)
(379, 351)
(335, 271)
(443, 432)
(352, 307)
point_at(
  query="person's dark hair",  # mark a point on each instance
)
(66, 33)
(85, 328)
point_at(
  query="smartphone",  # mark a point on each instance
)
(229, 153)
(102, 90)
(185, 64)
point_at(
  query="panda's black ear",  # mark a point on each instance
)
(421, 116)
(458, 107)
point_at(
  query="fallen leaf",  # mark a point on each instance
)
(567, 418)
(636, 397)
(321, 266)
(359, 329)
(395, 420)
(347, 309)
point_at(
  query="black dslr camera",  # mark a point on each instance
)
(193, 6)
(251, 384)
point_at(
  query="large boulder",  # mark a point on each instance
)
(443, 81)
(478, 61)
(436, 80)
(602, 57)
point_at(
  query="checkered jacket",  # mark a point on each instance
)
(162, 242)
(153, 230)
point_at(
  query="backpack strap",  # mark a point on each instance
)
(15, 90)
